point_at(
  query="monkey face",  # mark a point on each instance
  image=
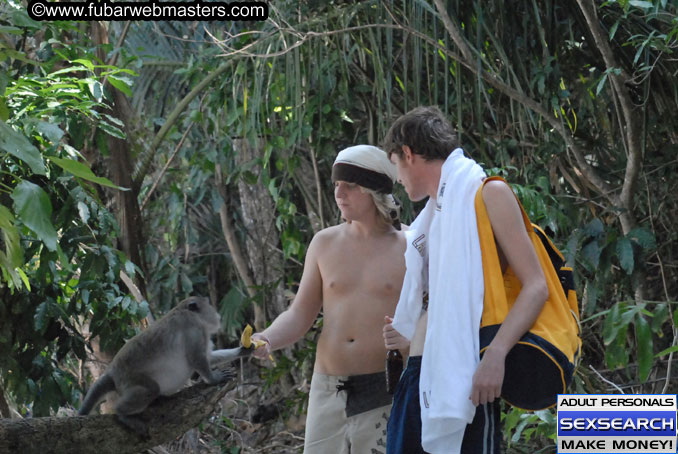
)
(207, 314)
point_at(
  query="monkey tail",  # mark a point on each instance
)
(99, 389)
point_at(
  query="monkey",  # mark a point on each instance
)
(159, 361)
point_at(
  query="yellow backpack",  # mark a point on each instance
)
(541, 365)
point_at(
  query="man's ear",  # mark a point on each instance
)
(407, 154)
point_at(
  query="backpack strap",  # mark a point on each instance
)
(526, 219)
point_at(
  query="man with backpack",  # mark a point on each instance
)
(447, 398)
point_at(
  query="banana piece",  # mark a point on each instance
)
(246, 339)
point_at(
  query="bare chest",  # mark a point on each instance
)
(374, 270)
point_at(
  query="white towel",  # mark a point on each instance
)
(454, 278)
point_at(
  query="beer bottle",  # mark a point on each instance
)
(394, 367)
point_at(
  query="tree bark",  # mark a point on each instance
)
(166, 419)
(259, 213)
(121, 165)
(127, 209)
(233, 245)
(4, 407)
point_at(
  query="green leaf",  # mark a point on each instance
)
(4, 81)
(10, 30)
(667, 351)
(10, 236)
(67, 70)
(21, 56)
(659, 315)
(591, 253)
(629, 313)
(33, 208)
(88, 64)
(80, 170)
(641, 4)
(18, 145)
(8, 272)
(118, 71)
(186, 283)
(625, 254)
(83, 211)
(4, 111)
(644, 340)
(24, 278)
(129, 268)
(594, 228)
(617, 353)
(121, 83)
(20, 18)
(611, 325)
(643, 237)
(41, 318)
(50, 130)
(111, 130)
(273, 190)
(115, 121)
(143, 309)
(96, 89)
(72, 152)
(519, 429)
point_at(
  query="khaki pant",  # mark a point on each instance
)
(329, 431)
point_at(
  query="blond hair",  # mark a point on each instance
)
(387, 206)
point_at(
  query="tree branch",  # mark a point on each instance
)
(167, 164)
(453, 31)
(318, 187)
(166, 418)
(632, 133)
(236, 252)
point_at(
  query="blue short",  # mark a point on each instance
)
(403, 433)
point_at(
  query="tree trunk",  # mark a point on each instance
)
(166, 419)
(96, 363)
(127, 209)
(121, 166)
(259, 213)
(237, 255)
(4, 407)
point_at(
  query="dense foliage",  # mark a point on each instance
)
(230, 131)
(59, 261)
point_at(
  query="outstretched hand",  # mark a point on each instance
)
(264, 351)
(393, 340)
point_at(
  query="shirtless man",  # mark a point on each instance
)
(423, 146)
(353, 272)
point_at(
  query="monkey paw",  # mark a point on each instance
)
(225, 375)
